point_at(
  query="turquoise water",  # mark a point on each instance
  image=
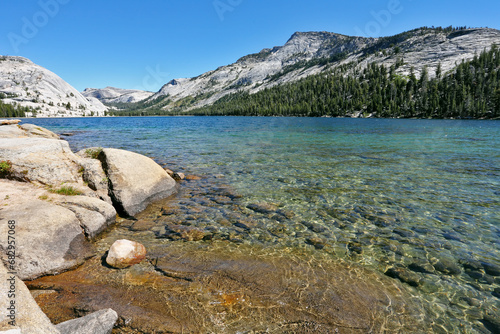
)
(416, 199)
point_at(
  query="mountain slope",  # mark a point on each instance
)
(470, 90)
(116, 95)
(26, 84)
(310, 53)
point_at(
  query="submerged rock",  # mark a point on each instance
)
(192, 177)
(100, 322)
(447, 266)
(265, 208)
(225, 288)
(404, 275)
(125, 253)
(491, 269)
(135, 180)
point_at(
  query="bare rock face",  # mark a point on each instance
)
(29, 318)
(48, 161)
(49, 239)
(114, 95)
(135, 180)
(30, 85)
(100, 322)
(32, 130)
(125, 253)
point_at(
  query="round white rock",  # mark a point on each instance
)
(125, 253)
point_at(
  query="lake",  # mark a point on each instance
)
(416, 200)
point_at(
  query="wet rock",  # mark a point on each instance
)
(355, 247)
(288, 214)
(496, 292)
(404, 232)
(491, 321)
(265, 208)
(170, 211)
(452, 236)
(447, 266)
(178, 176)
(474, 274)
(318, 243)
(125, 253)
(192, 178)
(491, 269)
(471, 301)
(142, 225)
(100, 322)
(242, 225)
(404, 275)
(487, 279)
(471, 264)
(182, 232)
(29, 318)
(135, 180)
(315, 227)
(222, 200)
(421, 266)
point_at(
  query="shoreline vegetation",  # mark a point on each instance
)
(470, 91)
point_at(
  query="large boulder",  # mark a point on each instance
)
(47, 161)
(48, 236)
(32, 130)
(135, 180)
(14, 130)
(100, 322)
(27, 316)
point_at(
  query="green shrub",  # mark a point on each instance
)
(66, 190)
(5, 168)
(93, 152)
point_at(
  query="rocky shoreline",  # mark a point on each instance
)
(67, 209)
(53, 204)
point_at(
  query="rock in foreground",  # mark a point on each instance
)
(135, 180)
(26, 314)
(125, 253)
(100, 322)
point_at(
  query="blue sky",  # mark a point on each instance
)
(144, 44)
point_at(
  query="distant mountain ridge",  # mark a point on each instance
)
(23, 83)
(116, 95)
(309, 53)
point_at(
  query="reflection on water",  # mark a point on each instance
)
(417, 200)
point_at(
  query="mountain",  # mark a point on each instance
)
(25, 84)
(309, 53)
(116, 95)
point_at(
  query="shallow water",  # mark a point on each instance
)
(418, 200)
